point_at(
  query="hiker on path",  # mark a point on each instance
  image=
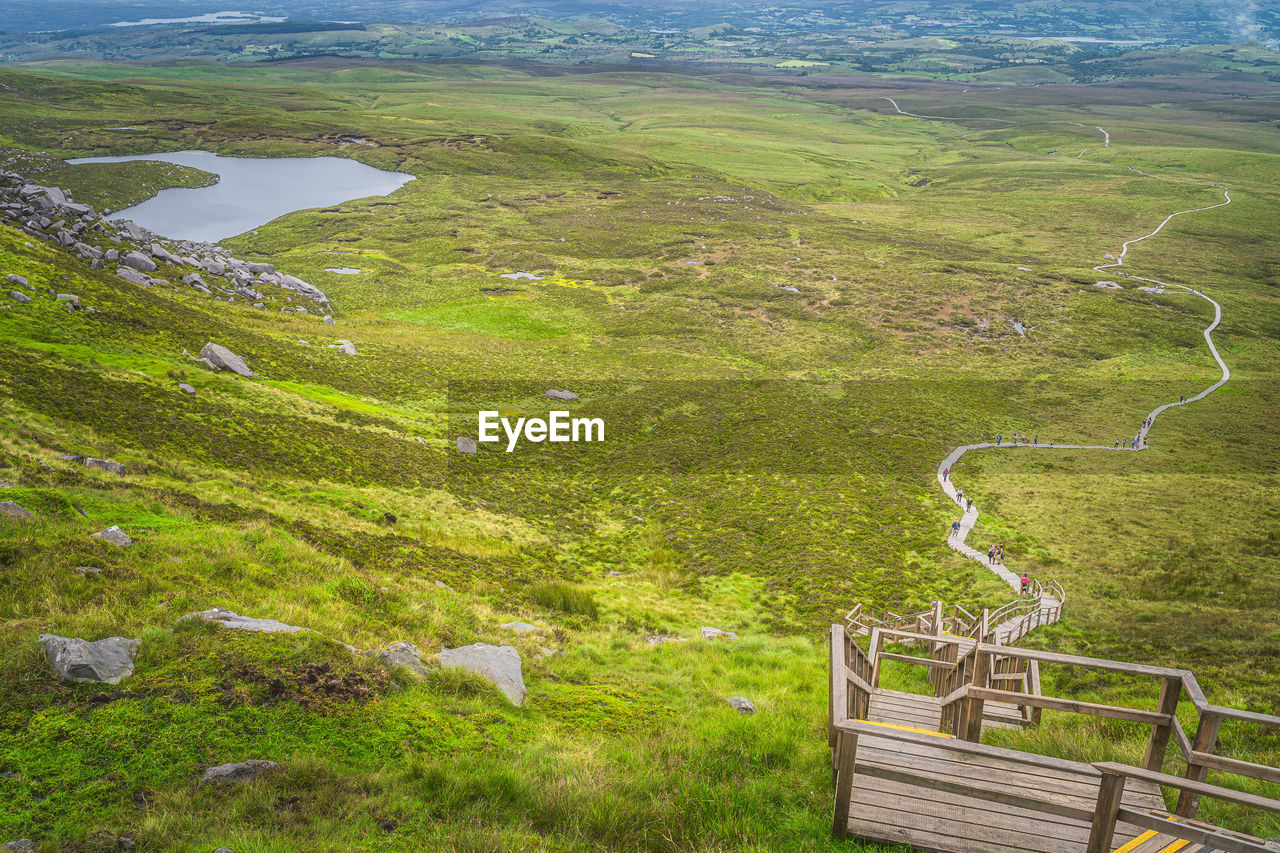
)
(960, 496)
(1117, 442)
(998, 437)
(946, 472)
(955, 528)
(1000, 553)
(969, 504)
(991, 555)
(1036, 441)
(1026, 585)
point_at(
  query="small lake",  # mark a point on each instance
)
(252, 191)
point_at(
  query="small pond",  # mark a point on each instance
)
(251, 191)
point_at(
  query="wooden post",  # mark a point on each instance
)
(1170, 692)
(973, 711)
(835, 677)
(877, 644)
(1205, 740)
(845, 763)
(1110, 793)
(1033, 687)
(986, 625)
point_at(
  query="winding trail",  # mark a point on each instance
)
(969, 513)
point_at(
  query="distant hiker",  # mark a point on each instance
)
(1117, 442)
(1125, 442)
(1026, 585)
(1036, 441)
(960, 495)
(969, 505)
(955, 528)
(946, 472)
(1182, 399)
(1000, 553)
(998, 437)
(991, 555)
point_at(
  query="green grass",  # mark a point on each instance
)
(769, 459)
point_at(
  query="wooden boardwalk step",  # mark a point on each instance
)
(905, 709)
(895, 812)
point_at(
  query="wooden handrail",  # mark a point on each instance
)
(1264, 772)
(1213, 838)
(1091, 709)
(1202, 788)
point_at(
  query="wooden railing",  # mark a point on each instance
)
(1043, 605)
(968, 674)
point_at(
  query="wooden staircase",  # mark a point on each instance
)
(910, 769)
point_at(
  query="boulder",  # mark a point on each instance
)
(709, 633)
(16, 280)
(521, 627)
(70, 298)
(566, 396)
(346, 347)
(139, 262)
(742, 704)
(193, 278)
(115, 536)
(111, 255)
(87, 571)
(134, 276)
(466, 445)
(21, 298)
(22, 845)
(227, 619)
(499, 664)
(662, 641)
(403, 654)
(224, 359)
(224, 850)
(76, 661)
(329, 321)
(9, 509)
(241, 771)
(261, 268)
(189, 389)
(108, 465)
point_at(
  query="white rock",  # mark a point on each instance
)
(499, 664)
(709, 633)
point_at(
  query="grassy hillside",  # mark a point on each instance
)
(784, 330)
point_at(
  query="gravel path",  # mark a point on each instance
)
(969, 515)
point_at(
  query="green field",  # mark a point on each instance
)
(787, 304)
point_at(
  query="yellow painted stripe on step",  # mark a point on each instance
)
(905, 728)
(1175, 846)
(1137, 842)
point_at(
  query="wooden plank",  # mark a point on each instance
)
(1245, 716)
(1216, 838)
(978, 792)
(1180, 738)
(1103, 827)
(1087, 663)
(973, 712)
(1054, 704)
(1068, 788)
(1202, 788)
(872, 795)
(1235, 765)
(1206, 739)
(941, 664)
(965, 747)
(1158, 743)
(847, 750)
